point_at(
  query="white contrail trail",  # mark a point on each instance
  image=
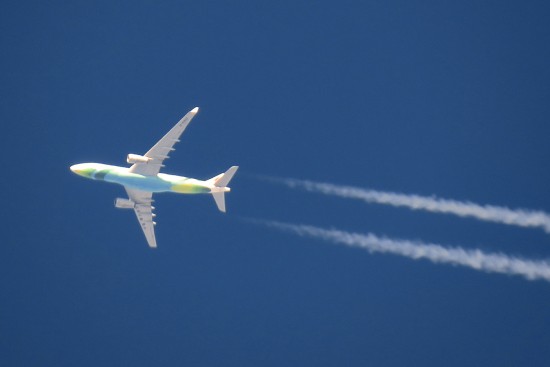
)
(475, 259)
(490, 213)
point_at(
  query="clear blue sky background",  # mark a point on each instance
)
(432, 97)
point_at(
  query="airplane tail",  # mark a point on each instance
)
(220, 183)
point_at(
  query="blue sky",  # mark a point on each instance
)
(433, 97)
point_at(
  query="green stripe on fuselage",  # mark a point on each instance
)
(100, 175)
(189, 188)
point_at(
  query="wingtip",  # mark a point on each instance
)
(195, 110)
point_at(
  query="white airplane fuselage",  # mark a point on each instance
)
(161, 182)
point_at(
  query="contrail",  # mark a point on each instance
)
(490, 213)
(474, 259)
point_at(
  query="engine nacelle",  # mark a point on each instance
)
(135, 158)
(124, 203)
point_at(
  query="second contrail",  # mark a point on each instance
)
(490, 213)
(474, 259)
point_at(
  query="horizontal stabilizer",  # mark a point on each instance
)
(220, 183)
(223, 179)
(219, 198)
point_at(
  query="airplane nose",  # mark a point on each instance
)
(79, 169)
(83, 169)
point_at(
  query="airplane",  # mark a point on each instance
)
(143, 179)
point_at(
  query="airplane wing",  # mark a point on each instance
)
(160, 151)
(144, 213)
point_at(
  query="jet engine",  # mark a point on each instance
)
(124, 203)
(135, 158)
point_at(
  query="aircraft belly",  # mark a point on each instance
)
(139, 182)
